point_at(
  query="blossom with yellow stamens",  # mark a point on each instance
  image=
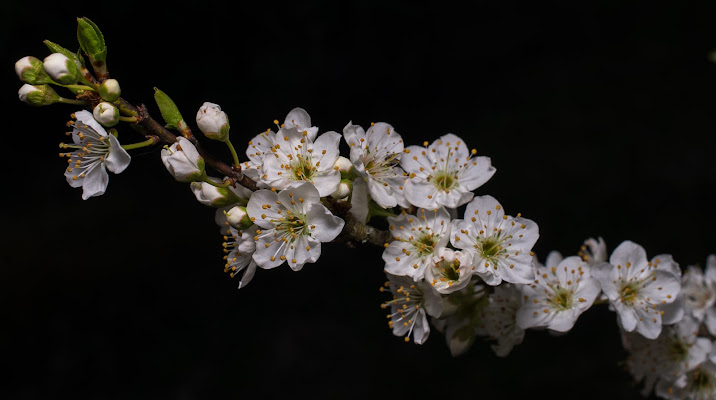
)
(292, 224)
(560, 293)
(94, 152)
(412, 302)
(501, 244)
(418, 237)
(444, 173)
(375, 156)
(637, 288)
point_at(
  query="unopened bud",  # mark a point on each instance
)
(38, 95)
(344, 189)
(106, 114)
(183, 161)
(109, 90)
(213, 122)
(238, 218)
(213, 196)
(343, 164)
(61, 69)
(30, 70)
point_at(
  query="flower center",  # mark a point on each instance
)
(377, 167)
(291, 225)
(425, 244)
(699, 297)
(450, 270)
(445, 180)
(679, 350)
(490, 248)
(701, 382)
(301, 169)
(629, 292)
(561, 298)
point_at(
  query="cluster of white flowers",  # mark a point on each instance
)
(469, 277)
(454, 261)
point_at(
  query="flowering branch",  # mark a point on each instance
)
(455, 262)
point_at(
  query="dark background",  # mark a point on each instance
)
(598, 116)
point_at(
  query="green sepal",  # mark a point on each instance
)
(91, 40)
(228, 197)
(169, 110)
(36, 74)
(44, 96)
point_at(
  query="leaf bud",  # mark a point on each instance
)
(91, 40)
(170, 111)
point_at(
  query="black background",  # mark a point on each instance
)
(598, 116)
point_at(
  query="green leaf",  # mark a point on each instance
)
(91, 40)
(169, 110)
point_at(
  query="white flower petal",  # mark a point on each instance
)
(325, 226)
(118, 159)
(95, 182)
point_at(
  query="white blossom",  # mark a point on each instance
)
(412, 302)
(697, 384)
(375, 156)
(292, 223)
(674, 352)
(594, 251)
(261, 144)
(637, 288)
(501, 244)
(444, 173)
(449, 270)
(240, 247)
(710, 276)
(291, 156)
(499, 319)
(559, 294)
(699, 290)
(183, 161)
(417, 238)
(95, 153)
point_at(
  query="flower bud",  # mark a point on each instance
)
(183, 161)
(343, 164)
(30, 70)
(61, 69)
(238, 218)
(344, 189)
(106, 114)
(38, 95)
(212, 196)
(109, 90)
(213, 122)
